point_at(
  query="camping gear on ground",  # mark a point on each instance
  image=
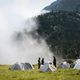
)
(72, 65)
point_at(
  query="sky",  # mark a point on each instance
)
(23, 7)
(13, 14)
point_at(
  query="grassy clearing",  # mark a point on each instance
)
(60, 74)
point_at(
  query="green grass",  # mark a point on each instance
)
(60, 74)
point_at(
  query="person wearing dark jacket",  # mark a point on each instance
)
(42, 62)
(39, 63)
(54, 61)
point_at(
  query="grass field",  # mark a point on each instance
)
(60, 74)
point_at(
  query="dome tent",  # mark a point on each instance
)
(77, 64)
(64, 65)
(21, 66)
(47, 68)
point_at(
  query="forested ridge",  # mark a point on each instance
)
(61, 31)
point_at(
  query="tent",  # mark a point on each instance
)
(21, 66)
(47, 68)
(64, 65)
(77, 64)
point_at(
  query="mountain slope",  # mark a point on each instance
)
(67, 5)
(61, 30)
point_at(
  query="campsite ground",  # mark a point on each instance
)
(60, 74)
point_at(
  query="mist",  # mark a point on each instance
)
(19, 41)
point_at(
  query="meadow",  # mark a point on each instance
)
(60, 74)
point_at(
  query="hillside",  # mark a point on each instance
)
(66, 5)
(61, 30)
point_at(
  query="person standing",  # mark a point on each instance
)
(54, 61)
(42, 62)
(39, 63)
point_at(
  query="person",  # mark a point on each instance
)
(54, 61)
(39, 63)
(42, 62)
